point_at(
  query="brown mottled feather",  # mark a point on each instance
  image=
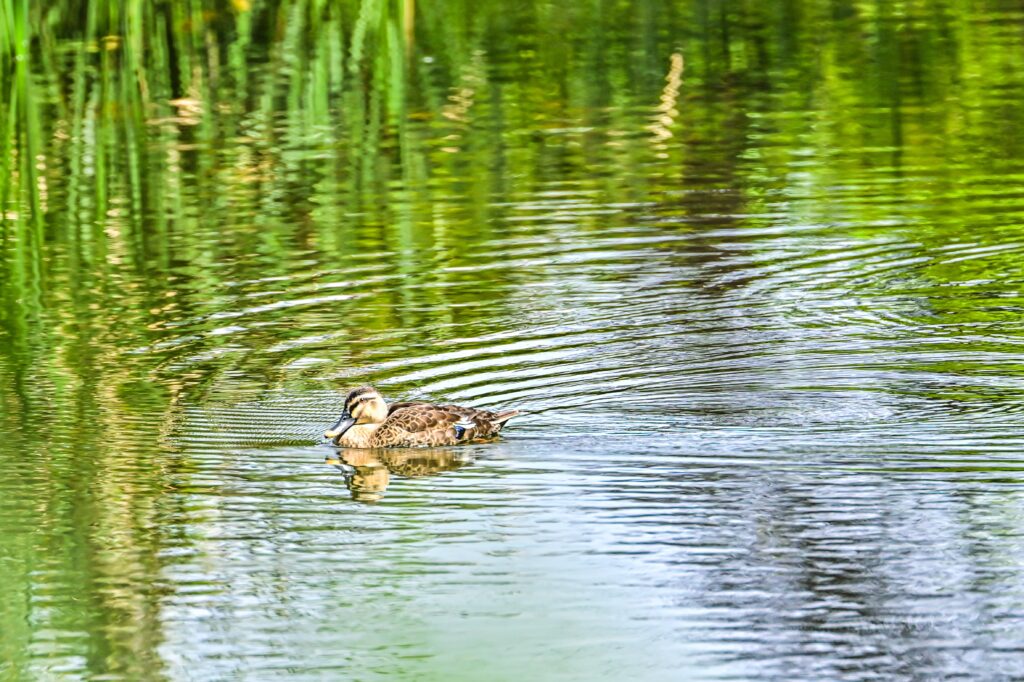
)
(416, 424)
(413, 424)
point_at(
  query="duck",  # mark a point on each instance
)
(369, 422)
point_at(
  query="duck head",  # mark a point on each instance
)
(363, 405)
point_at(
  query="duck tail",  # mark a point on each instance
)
(500, 418)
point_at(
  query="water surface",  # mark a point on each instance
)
(752, 274)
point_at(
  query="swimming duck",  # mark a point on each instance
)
(369, 422)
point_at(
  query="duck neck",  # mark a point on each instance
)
(358, 436)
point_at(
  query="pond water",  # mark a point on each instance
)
(754, 275)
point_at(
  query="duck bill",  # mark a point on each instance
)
(343, 424)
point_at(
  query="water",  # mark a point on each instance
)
(752, 274)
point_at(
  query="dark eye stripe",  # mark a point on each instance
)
(352, 404)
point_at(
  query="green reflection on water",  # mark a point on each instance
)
(161, 163)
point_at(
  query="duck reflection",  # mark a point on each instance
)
(368, 472)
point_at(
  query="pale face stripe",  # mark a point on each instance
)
(358, 394)
(358, 405)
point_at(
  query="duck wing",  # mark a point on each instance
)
(413, 424)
